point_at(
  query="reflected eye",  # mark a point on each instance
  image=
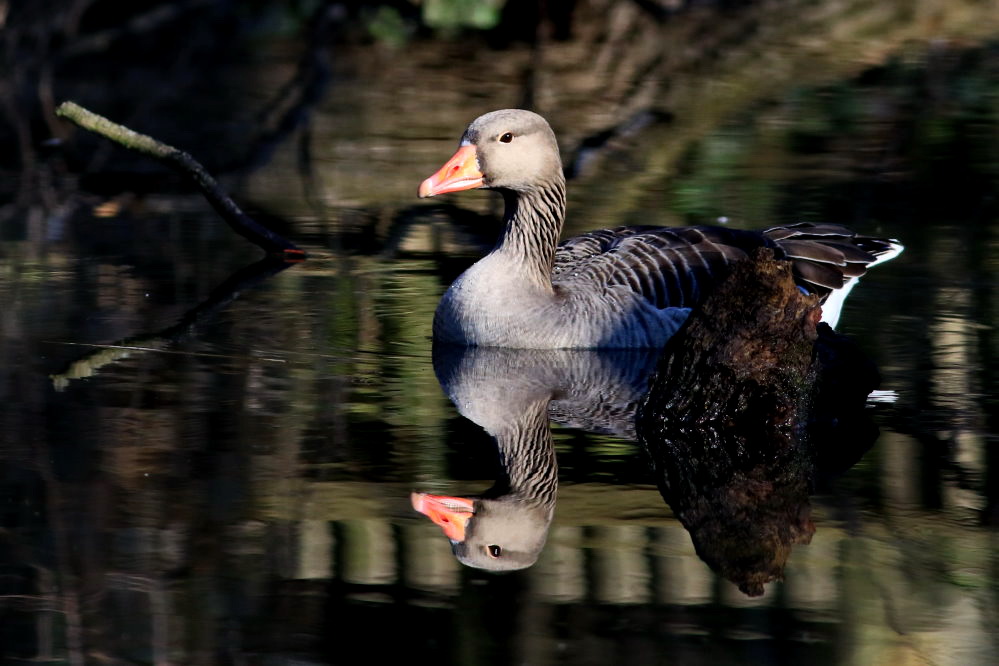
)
(494, 551)
(506, 138)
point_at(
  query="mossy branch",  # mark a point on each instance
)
(241, 223)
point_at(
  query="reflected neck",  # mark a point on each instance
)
(527, 458)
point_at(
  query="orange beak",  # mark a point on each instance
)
(461, 172)
(450, 513)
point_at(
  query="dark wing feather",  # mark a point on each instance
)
(668, 267)
(818, 274)
(676, 266)
(812, 251)
(825, 256)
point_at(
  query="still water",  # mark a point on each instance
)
(206, 460)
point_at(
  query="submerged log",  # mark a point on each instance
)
(729, 419)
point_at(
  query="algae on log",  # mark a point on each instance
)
(734, 418)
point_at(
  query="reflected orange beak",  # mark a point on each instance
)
(461, 172)
(450, 513)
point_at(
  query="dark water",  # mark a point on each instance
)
(202, 463)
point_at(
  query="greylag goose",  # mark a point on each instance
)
(613, 288)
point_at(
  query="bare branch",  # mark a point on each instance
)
(241, 223)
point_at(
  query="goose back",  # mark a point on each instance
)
(677, 266)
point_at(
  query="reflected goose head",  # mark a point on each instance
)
(509, 149)
(491, 534)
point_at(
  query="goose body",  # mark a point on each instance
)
(629, 287)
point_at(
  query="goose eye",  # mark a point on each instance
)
(506, 138)
(494, 551)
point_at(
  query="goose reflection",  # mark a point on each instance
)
(512, 394)
(741, 491)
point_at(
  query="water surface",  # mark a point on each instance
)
(233, 485)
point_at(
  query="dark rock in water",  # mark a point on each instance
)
(729, 417)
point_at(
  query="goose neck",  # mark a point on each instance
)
(534, 221)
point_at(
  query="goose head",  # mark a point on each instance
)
(509, 149)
